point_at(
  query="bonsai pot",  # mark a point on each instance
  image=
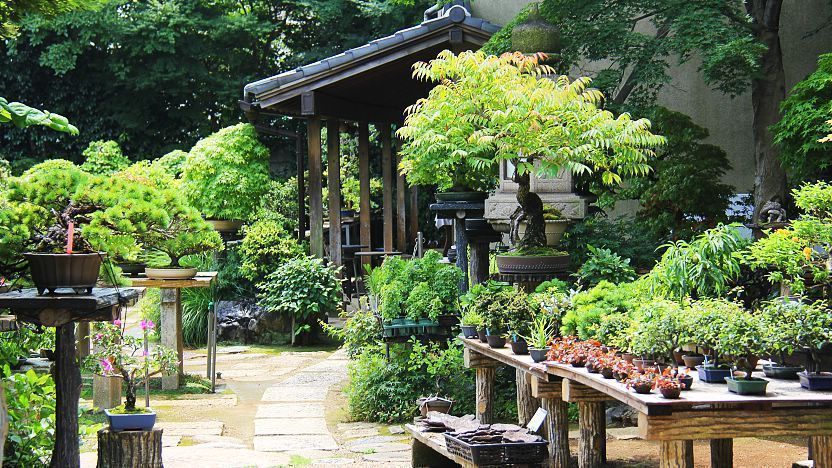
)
(538, 354)
(677, 356)
(692, 361)
(170, 273)
(671, 393)
(131, 422)
(628, 357)
(225, 225)
(347, 213)
(754, 386)
(519, 346)
(712, 374)
(590, 367)
(642, 363)
(643, 388)
(466, 197)
(469, 331)
(686, 382)
(78, 271)
(532, 264)
(607, 373)
(482, 336)
(554, 230)
(774, 371)
(441, 405)
(496, 341)
(814, 381)
(133, 269)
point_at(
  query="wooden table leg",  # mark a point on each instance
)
(722, 453)
(676, 454)
(67, 392)
(171, 330)
(526, 403)
(821, 451)
(592, 446)
(485, 394)
(557, 421)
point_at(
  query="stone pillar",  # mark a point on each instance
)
(171, 331)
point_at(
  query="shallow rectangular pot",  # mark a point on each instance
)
(131, 422)
(747, 387)
(815, 382)
(469, 331)
(781, 372)
(713, 375)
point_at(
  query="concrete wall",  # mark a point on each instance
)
(729, 120)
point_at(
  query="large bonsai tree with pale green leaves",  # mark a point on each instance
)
(487, 109)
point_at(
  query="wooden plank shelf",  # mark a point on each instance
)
(203, 279)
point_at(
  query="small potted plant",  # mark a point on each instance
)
(783, 327)
(669, 386)
(471, 322)
(540, 332)
(814, 337)
(707, 319)
(123, 355)
(684, 378)
(741, 338)
(642, 383)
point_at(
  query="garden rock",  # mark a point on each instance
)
(243, 321)
(622, 415)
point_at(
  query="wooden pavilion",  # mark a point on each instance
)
(367, 84)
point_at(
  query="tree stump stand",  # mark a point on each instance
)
(128, 449)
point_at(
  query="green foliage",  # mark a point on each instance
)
(629, 238)
(791, 326)
(590, 306)
(509, 310)
(265, 246)
(22, 342)
(415, 288)
(361, 331)
(195, 307)
(173, 163)
(280, 203)
(789, 254)
(540, 332)
(104, 158)
(149, 307)
(486, 109)
(741, 336)
(805, 112)
(472, 318)
(226, 173)
(660, 329)
(20, 115)
(704, 267)
(304, 288)
(706, 319)
(605, 265)
(30, 398)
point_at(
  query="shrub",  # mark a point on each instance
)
(361, 331)
(623, 235)
(304, 288)
(104, 158)
(605, 265)
(588, 307)
(226, 173)
(30, 398)
(280, 203)
(265, 246)
(173, 163)
(24, 341)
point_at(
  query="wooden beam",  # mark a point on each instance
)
(401, 210)
(527, 403)
(722, 453)
(387, 181)
(543, 389)
(316, 209)
(333, 184)
(316, 103)
(731, 424)
(473, 359)
(485, 394)
(574, 392)
(301, 189)
(676, 454)
(821, 447)
(364, 185)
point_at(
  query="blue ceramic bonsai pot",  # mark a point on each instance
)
(713, 374)
(131, 422)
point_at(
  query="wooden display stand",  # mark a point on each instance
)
(171, 304)
(61, 310)
(129, 449)
(707, 411)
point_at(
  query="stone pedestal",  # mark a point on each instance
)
(106, 392)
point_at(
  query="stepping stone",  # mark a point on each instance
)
(343, 427)
(624, 433)
(290, 410)
(387, 457)
(333, 461)
(395, 430)
(360, 433)
(379, 448)
(171, 441)
(218, 441)
(379, 439)
(191, 428)
(313, 378)
(285, 443)
(289, 426)
(289, 393)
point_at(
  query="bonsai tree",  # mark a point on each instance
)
(117, 353)
(472, 318)
(226, 173)
(741, 336)
(707, 319)
(814, 331)
(487, 109)
(104, 158)
(659, 329)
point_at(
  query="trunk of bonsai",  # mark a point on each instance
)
(531, 211)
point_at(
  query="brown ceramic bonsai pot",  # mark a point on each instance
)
(671, 393)
(77, 271)
(170, 273)
(532, 264)
(133, 269)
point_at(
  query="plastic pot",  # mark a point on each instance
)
(774, 371)
(754, 386)
(815, 381)
(538, 354)
(496, 341)
(482, 336)
(686, 382)
(671, 393)
(469, 331)
(713, 374)
(519, 347)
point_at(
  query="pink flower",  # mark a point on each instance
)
(148, 325)
(98, 336)
(144, 352)
(106, 366)
(117, 322)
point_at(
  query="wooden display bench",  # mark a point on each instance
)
(171, 304)
(62, 310)
(707, 411)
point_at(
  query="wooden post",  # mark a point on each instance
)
(401, 212)
(527, 404)
(364, 186)
(414, 212)
(387, 181)
(461, 241)
(316, 209)
(592, 447)
(130, 449)
(557, 420)
(333, 184)
(821, 448)
(722, 453)
(301, 189)
(485, 394)
(479, 262)
(82, 337)
(67, 392)
(171, 330)
(676, 454)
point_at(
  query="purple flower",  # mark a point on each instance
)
(98, 336)
(117, 322)
(147, 325)
(144, 352)
(107, 366)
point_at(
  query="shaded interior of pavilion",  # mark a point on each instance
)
(364, 86)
